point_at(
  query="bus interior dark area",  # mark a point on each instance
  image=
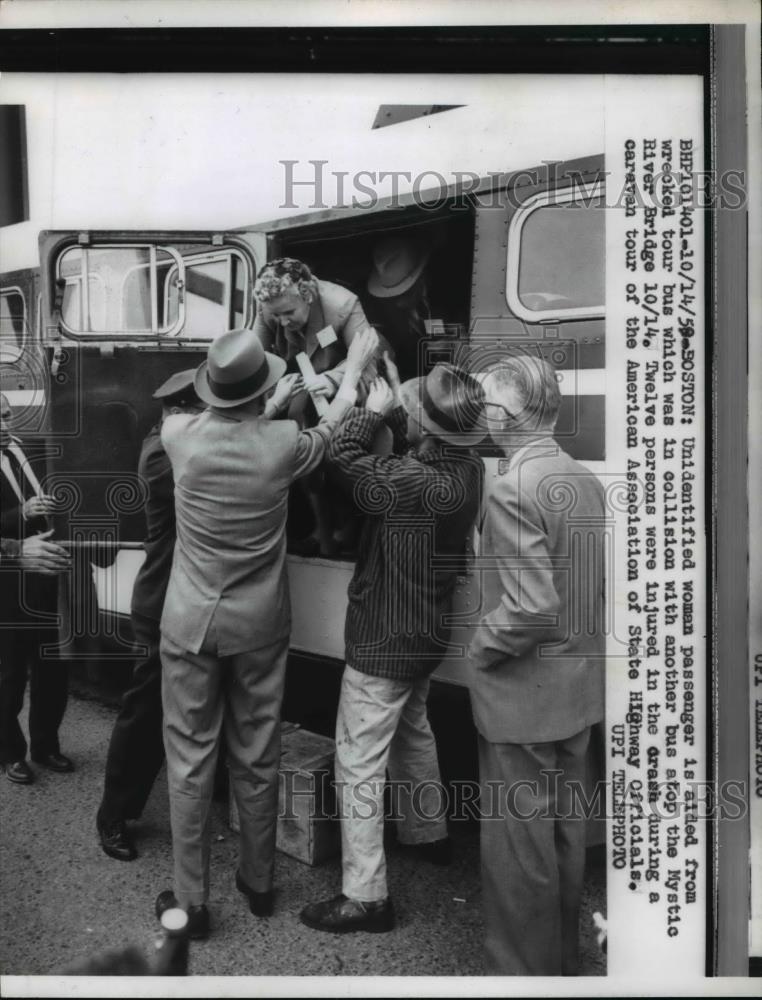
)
(424, 321)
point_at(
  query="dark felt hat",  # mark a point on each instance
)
(448, 403)
(179, 385)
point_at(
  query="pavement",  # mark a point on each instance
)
(65, 901)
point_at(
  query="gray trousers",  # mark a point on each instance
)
(202, 693)
(532, 855)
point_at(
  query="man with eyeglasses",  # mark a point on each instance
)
(536, 675)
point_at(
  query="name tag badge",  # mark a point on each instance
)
(326, 336)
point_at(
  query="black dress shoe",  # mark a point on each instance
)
(341, 915)
(19, 772)
(115, 839)
(55, 762)
(198, 916)
(436, 852)
(260, 903)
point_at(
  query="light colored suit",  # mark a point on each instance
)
(537, 685)
(225, 626)
(231, 495)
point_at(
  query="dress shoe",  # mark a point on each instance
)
(436, 852)
(19, 772)
(198, 916)
(115, 839)
(260, 903)
(341, 915)
(55, 762)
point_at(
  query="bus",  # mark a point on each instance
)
(513, 263)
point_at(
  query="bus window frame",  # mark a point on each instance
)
(122, 335)
(217, 255)
(555, 196)
(7, 290)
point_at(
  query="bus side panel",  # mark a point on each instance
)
(102, 409)
(574, 345)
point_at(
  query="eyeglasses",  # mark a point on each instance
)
(504, 411)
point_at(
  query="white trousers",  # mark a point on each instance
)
(383, 723)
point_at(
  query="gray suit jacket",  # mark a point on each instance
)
(232, 475)
(537, 656)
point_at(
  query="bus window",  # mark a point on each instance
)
(12, 316)
(118, 290)
(556, 257)
(217, 293)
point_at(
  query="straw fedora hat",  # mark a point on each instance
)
(448, 403)
(397, 265)
(237, 369)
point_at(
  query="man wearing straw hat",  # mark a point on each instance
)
(226, 619)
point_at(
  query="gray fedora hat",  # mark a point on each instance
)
(237, 369)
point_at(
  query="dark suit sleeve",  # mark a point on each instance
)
(156, 469)
(10, 520)
(10, 548)
(527, 613)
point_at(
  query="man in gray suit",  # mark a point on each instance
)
(537, 676)
(226, 619)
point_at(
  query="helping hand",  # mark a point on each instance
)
(393, 377)
(380, 397)
(362, 349)
(321, 385)
(39, 506)
(38, 555)
(285, 390)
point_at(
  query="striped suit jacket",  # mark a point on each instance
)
(419, 509)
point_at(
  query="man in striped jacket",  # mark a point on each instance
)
(419, 505)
